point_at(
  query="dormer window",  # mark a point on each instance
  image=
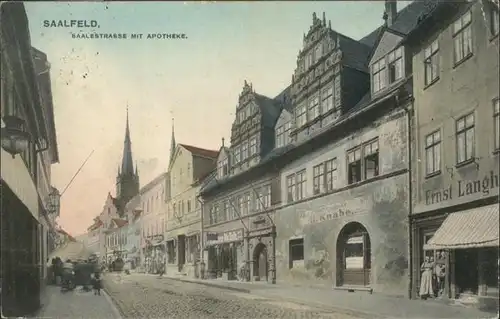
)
(395, 65)
(378, 75)
(283, 134)
(223, 168)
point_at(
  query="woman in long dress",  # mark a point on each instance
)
(426, 279)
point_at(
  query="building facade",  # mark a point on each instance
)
(189, 165)
(237, 202)
(344, 214)
(116, 240)
(28, 149)
(48, 155)
(339, 149)
(455, 218)
(133, 234)
(152, 204)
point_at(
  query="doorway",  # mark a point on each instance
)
(353, 256)
(260, 265)
(181, 248)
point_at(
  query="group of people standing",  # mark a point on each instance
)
(85, 273)
(432, 281)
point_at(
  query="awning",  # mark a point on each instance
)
(473, 228)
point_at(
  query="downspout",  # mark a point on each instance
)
(408, 110)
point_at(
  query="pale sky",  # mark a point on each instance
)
(198, 79)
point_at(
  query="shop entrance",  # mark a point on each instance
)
(353, 256)
(260, 265)
(181, 249)
(466, 261)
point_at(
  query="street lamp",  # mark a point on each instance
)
(14, 138)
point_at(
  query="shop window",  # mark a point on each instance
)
(354, 253)
(354, 165)
(371, 159)
(296, 250)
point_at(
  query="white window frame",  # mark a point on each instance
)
(379, 72)
(465, 129)
(431, 63)
(462, 38)
(433, 153)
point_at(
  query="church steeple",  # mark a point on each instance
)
(127, 181)
(172, 143)
(127, 164)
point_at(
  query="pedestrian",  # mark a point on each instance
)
(96, 283)
(426, 279)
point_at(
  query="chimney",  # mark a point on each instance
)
(391, 9)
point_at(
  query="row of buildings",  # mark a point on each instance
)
(382, 152)
(29, 202)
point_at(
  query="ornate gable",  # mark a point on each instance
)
(319, 54)
(248, 115)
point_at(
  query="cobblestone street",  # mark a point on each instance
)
(152, 297)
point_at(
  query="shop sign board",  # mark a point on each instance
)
(224, 237)
(460, 188)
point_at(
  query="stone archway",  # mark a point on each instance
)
(260, 264)
(353, 256)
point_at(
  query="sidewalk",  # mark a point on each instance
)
(357, 303)
(76, 304)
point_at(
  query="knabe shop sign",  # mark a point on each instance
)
(481, 187)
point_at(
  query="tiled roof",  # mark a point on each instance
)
(406, 20)
(354, 53)
(202, 152)
(365, 102)
(270, 109)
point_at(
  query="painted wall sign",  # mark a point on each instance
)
(481, 187)
(226, 237)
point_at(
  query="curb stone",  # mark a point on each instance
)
(347, 311)
(114, 306)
